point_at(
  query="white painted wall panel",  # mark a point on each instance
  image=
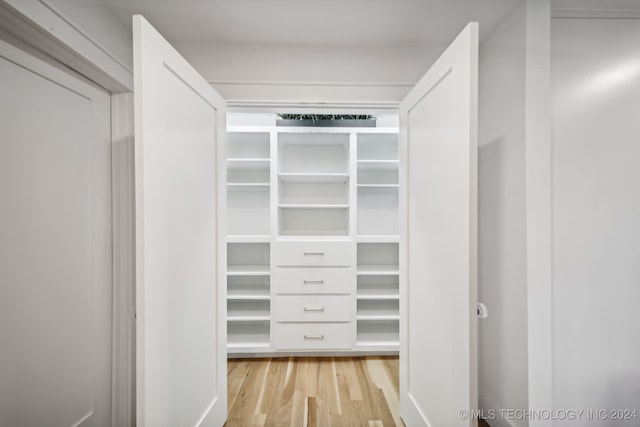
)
(596, 212)
(502, 232)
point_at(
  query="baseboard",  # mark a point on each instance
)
(489, 406)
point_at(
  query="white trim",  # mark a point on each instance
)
(283, 106)
(490, 407)
(123, 350)
(43, 26)
(321, 83)
(538, 206)
(570, 13)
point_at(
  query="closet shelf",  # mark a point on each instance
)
(255, 297)
(378, 297)
(248, 270)
(378, 186)
(382, 238)
(248, 318)
(248, 164)
(248, 160)
(314, 206)
(247, 345)
(378, 343)
(248, 238)
(377, 270)
(378, 317)
(248, 186)
(378, 165)
(316, 178)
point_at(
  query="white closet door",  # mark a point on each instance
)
(55, 246)
(438, 137)
(180, 252)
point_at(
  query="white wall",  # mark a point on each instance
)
(310, 73)
(502, 230)
(596, 215)
(94, 19)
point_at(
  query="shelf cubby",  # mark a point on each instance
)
(313, 152)
(378, 333)
(378, 287)
(248, 310)
(318, 221)
(244, 335)
(248, 145)
(378, 258)
(378, 309)
(377, 146)
(248, 287)
(378, 211)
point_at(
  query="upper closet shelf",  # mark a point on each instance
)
(303, 178)
(248, 163)
(313, 206)
(378, 165)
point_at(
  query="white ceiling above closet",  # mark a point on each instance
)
(315, 22)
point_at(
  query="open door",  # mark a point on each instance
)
(180, 253)
(438, 149)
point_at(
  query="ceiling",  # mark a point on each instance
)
(315, 22)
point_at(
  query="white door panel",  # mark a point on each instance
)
(438, 134)
(55, 246)
(180, 125)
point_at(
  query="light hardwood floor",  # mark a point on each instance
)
(314, 392)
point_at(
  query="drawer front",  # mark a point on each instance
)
(312, 336)
(313, 308)
(313, 281)
(313, 254)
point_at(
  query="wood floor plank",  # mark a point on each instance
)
(314, 392)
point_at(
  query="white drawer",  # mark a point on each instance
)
(313, 308)
(314, 254)
(313, 280)
(311, 336)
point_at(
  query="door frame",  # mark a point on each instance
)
(28, 26)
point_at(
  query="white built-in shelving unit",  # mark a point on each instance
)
(312, 240)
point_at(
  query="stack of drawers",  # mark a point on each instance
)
(313, 295)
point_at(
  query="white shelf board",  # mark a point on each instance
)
(378, 165)
(249, 160)
(248, 186)
(378, 317)
(378, 343)
(377, 270)
(379, 186)
(249, 238)
(247, 345)
(248, 270)
(248, 297)
(314, 206)
(306, 235)
(378, 161)
(378, 297)
(248, 164)
(306, 238)
(382, 238)
(317, 178)
(248, 318)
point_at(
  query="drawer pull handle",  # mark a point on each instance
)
(314, 337)
(308, 310)
(309, 282)
(314, 253)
